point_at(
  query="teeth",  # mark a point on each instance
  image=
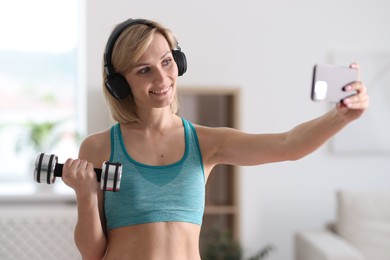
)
(160, 91)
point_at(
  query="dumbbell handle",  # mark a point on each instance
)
(58, 173)
(59, 166)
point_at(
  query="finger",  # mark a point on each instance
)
(69, 169)
(75, 164)
(68, 162)
(357, 101)
(71, 164)
(358, 85)
(355, 65)
(83, 164)
(89, 166)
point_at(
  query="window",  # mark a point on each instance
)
(40, 89)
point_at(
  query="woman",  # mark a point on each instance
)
(157, 214)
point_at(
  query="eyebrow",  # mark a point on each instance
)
(145, 64)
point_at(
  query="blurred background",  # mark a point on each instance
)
(255, 58)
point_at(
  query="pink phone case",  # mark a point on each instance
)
(329, 82)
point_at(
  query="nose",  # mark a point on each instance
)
(160, 75)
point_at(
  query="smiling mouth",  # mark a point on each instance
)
(160, 91)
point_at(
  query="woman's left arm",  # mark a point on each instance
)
(229, 146)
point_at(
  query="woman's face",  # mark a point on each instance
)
(153, 78)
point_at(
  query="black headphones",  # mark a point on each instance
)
(115, 83)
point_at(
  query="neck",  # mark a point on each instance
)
(156, 119)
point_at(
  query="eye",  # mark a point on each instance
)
(167, 62)
(144, 70)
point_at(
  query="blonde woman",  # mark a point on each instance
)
(166, 159)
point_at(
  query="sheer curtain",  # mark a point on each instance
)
(40, 87)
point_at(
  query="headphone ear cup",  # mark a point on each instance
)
(117, 86)
(181, 61)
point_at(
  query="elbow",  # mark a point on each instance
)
(92, 247)
(295, 156)
(89, 252)
(299, 153)
(92, 256)
(296, 152)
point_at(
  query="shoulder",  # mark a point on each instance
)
(213, 140)
(96, 148)
(217, 137)
(214, 134)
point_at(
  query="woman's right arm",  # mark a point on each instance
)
(90, 234)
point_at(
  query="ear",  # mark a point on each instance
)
(117, 86)
(181, 61)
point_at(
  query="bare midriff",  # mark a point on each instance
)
(154, 241)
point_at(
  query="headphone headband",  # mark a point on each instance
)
(114, 36)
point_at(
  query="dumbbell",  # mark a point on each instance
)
(47, 169)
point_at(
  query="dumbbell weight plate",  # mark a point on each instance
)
(111, 176)
(44, 168)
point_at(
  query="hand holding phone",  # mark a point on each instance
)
(329, 82)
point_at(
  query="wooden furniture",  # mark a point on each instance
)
(216, 107)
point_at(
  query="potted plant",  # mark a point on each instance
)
(221, 246)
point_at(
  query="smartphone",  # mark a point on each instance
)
(329, 82)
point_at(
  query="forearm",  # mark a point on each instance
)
(230, 146)
(89, 235)
(309, 136)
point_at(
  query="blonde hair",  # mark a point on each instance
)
(128, 48)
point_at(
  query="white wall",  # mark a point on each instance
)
(267, 48)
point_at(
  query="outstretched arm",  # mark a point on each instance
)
(229, 146)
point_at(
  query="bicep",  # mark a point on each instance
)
(95, 149)
(234, 147)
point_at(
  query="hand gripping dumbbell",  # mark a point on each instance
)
(47, 169)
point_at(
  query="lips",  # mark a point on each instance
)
(160, 91)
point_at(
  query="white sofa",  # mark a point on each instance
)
(360, 232)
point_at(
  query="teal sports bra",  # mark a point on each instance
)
(169, 193)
